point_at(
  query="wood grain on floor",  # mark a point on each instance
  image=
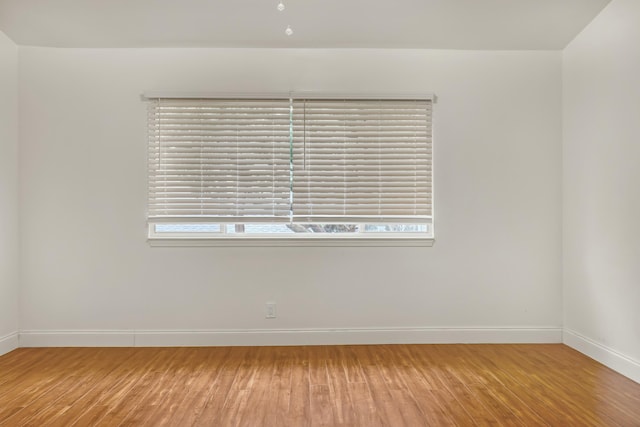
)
(379, 385)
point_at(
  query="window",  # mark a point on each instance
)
(289, 168)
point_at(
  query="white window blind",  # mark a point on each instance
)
(362, 161)
(294, 166)
(227, 159)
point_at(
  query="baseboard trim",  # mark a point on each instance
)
(79, 338)
(276, 337)
(9, 343)
(609, 357)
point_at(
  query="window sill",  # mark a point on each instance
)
(294, 241)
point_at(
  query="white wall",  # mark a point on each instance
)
(602, 188)
(86, 265)
(8, 194)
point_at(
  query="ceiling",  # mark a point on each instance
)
(428, 24)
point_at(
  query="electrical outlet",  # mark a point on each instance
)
(270, 312)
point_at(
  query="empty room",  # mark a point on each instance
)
(320, 212)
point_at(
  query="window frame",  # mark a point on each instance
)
(361, 238)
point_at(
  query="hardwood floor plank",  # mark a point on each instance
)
(299, 403)
(188, 402)
(366, 412)
(117, 404)
(46, 393)
(502, 413)
(260, 393)
(342, 405)
(522, 412)
(531, 380)
(447, 391)
(22, 384)
(368, 386)
(320, 406)
(45, 411)
(115, 376)
(14, 366)
(215, 406)
(348, 356)
(318, 366)
(280, 387)
(241, 389)
(395, 405)
(158, 401)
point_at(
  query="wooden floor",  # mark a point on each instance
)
(388, 385)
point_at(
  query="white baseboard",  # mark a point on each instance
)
(8, 343)
(603, 354)
(260, 337)
(78, 338)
